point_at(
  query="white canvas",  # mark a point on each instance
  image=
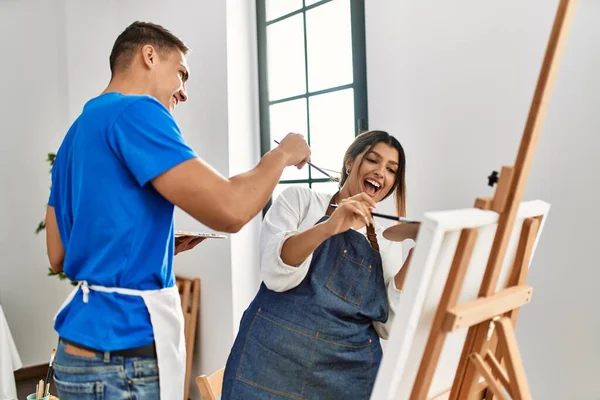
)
(425, 280)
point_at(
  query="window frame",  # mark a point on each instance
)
(359, 84)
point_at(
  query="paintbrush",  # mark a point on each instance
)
(50, 365)
(392, 217)
(39, 389)
(317, 168)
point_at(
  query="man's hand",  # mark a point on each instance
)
(186, 242)
(296, 150)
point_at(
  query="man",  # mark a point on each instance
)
(120, 170)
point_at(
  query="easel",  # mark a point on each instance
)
(491, 318)
(189, 293)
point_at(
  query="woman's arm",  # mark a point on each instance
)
(351, 212)
(282, 221)
(286, 253)
(298, 247)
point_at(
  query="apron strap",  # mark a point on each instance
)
(371, 236)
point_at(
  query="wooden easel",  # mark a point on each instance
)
(491, 351)
(189, 291)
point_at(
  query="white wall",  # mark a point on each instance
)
(453, 81)
(244, 144)
(33, 119)
(60, 61)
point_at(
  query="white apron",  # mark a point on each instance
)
(166, 316)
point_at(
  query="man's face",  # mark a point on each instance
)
(170, 75)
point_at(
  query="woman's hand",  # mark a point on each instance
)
(354, 212)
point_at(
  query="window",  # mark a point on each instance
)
(312, 76)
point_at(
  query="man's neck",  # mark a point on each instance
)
(127, 84)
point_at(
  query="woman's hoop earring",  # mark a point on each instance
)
(347, 171)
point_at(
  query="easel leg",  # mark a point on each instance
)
(497, 369)
(518, 276)
(488, 375)
(437, 335)
(514, 364)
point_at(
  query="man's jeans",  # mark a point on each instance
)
(103, 376)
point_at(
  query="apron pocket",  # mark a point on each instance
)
(342, 371)
(349, 279)
(276, 357)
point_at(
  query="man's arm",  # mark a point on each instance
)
(54, 245)
(225, 204)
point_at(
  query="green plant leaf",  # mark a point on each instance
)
(51, 158)
(61, 276)
(41, 226)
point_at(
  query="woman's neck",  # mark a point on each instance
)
(344, 193)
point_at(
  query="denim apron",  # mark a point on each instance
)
(317, 340)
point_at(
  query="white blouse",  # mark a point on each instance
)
(297, 209)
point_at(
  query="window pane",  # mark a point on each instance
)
(285, 55)
(282, 186)
(325, 187)
(310, 2)
(286, 117)
(279, 8)
(331, 128)
(329, 43)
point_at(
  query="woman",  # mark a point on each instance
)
(330, 286)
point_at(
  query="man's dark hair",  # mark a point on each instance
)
(137, 35)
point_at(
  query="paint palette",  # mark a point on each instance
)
(179, 234)
(401, 232)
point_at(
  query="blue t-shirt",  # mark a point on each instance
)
(116, 228)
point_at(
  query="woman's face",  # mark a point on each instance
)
(377, 173)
